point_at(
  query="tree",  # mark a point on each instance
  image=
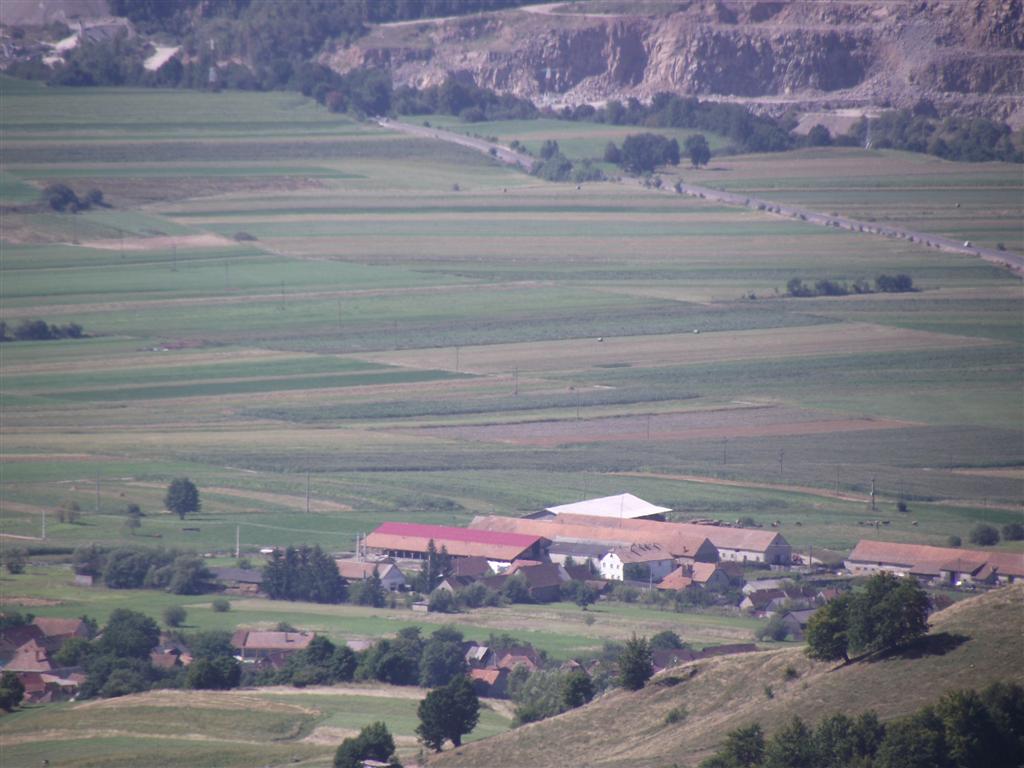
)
(890, 612)
(12, 691)
(182, 497)
(129, 634)
(585, 595)
(635, 664)
(744, 747)
(643, 152)
(1013, 532)
(666, 640)
(220, 673)
(913, 742)
(577, 689)
(697, 149)
(549, 149)
(612, 154)
(448, 713)
(827, 631)
(442, 659)
(984, 535)
(971, 735)
(374, 742)
(819, 136)
(174, 616)
(792, 747)
(190, 576)
(14, 560)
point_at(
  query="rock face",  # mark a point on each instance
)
(967, 56)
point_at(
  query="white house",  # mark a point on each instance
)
(653, 557)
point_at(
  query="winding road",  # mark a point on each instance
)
(1012, 261)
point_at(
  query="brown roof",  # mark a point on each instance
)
(30, 657)
(678, 579)
(359, 569)
(61, 627)
(720, 536)
(921, 558)
(641, 553)
(573, 528)
(471, 566)
(460, 542)
(489, 676)
(257, 640)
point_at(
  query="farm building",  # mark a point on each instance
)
(652, 559)
(703, 575)
(684, 545)
(61, 629)
(411, 541)
(272, 648)
(391, 578)
(941, 564)
(579, 551)
(742, 545)
(625, 506)
(239, 581)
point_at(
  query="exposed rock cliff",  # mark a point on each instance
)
(965, 55)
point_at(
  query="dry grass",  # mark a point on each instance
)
(628, 729)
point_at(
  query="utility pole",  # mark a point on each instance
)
(782, 454)
(307, 492)
(872, 494)
(238, 541)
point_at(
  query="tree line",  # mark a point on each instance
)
(963, 729)
(40, 330)
(900, 283)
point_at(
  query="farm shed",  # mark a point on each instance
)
(947, 565)
(411, 541)
(684, 545)
(737, 544)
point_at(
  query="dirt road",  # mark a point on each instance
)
(1012, 261)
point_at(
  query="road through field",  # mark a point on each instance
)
(1013, 261)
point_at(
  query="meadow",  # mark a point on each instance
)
(285, 304)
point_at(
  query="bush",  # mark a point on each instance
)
(1013, 532)
(984, 535)
(954, 541)
(221, 605)
(675, 715)
(174, 616)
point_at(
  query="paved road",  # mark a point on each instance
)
(1013, 261)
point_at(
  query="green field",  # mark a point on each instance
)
(413, 332)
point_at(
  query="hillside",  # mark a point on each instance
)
(971, 645)
(965, 56)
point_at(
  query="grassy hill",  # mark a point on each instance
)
(971, 645)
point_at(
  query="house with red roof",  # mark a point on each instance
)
(273, 648)
(411, 541)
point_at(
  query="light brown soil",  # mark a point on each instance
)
(690, 425)
(160, 242)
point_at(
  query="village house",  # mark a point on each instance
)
(946, 565)
(650, 562)
(543, 580)
(239, 581)
(411, 541)
(741, 545)
(579, 552)
(271, 648)
(517, 656)
(391, 578)
(796, 622)
(61, 630)
(703, 575)
(686, 546)
(489, 682)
